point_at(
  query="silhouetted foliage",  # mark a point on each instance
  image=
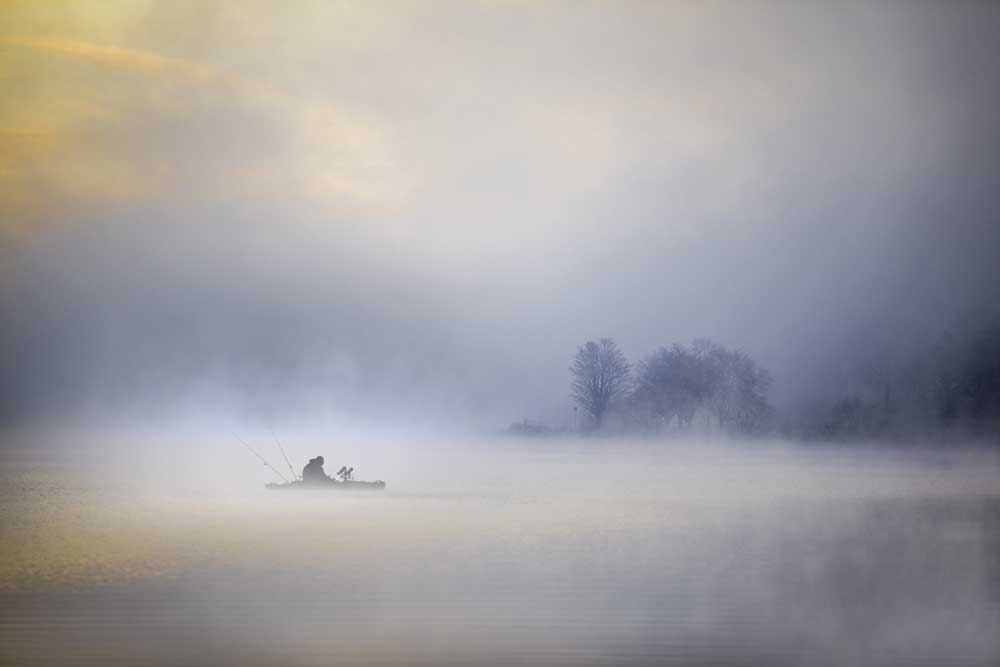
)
(673, 383)
(951, 385)
(890, 390)
(600, 375)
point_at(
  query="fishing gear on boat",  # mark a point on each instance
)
(285, 456)
(262, 459)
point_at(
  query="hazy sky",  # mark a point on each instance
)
(413, 212)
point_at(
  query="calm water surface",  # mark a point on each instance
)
(490, 553)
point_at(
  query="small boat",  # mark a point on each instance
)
(318, 480)
(332, 485)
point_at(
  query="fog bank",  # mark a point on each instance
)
(412, 215)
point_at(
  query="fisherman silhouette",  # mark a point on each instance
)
(313, 472)
(313, 476)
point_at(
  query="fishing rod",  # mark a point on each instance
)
(263, 460)
(282, 450)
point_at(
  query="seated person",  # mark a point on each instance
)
(313, 472)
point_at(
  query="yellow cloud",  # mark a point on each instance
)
(63, 146)
(111, 55)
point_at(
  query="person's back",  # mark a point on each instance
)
(313, 473)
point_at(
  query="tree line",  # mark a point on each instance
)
(949, 386)
(669, 388)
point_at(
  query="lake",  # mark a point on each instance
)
(495, 551)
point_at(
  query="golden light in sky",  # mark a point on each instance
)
(112, 106)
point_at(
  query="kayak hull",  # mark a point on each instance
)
(332, 485)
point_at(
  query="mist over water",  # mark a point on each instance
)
(380, 231)
(498, 552)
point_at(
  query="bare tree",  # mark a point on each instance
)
(672, 383)
(675, 382)
(600, 375)
(739, 394)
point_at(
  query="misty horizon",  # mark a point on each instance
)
(478, 332)
(414, 216)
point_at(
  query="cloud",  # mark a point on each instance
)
(138, 125)
(149, 63)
